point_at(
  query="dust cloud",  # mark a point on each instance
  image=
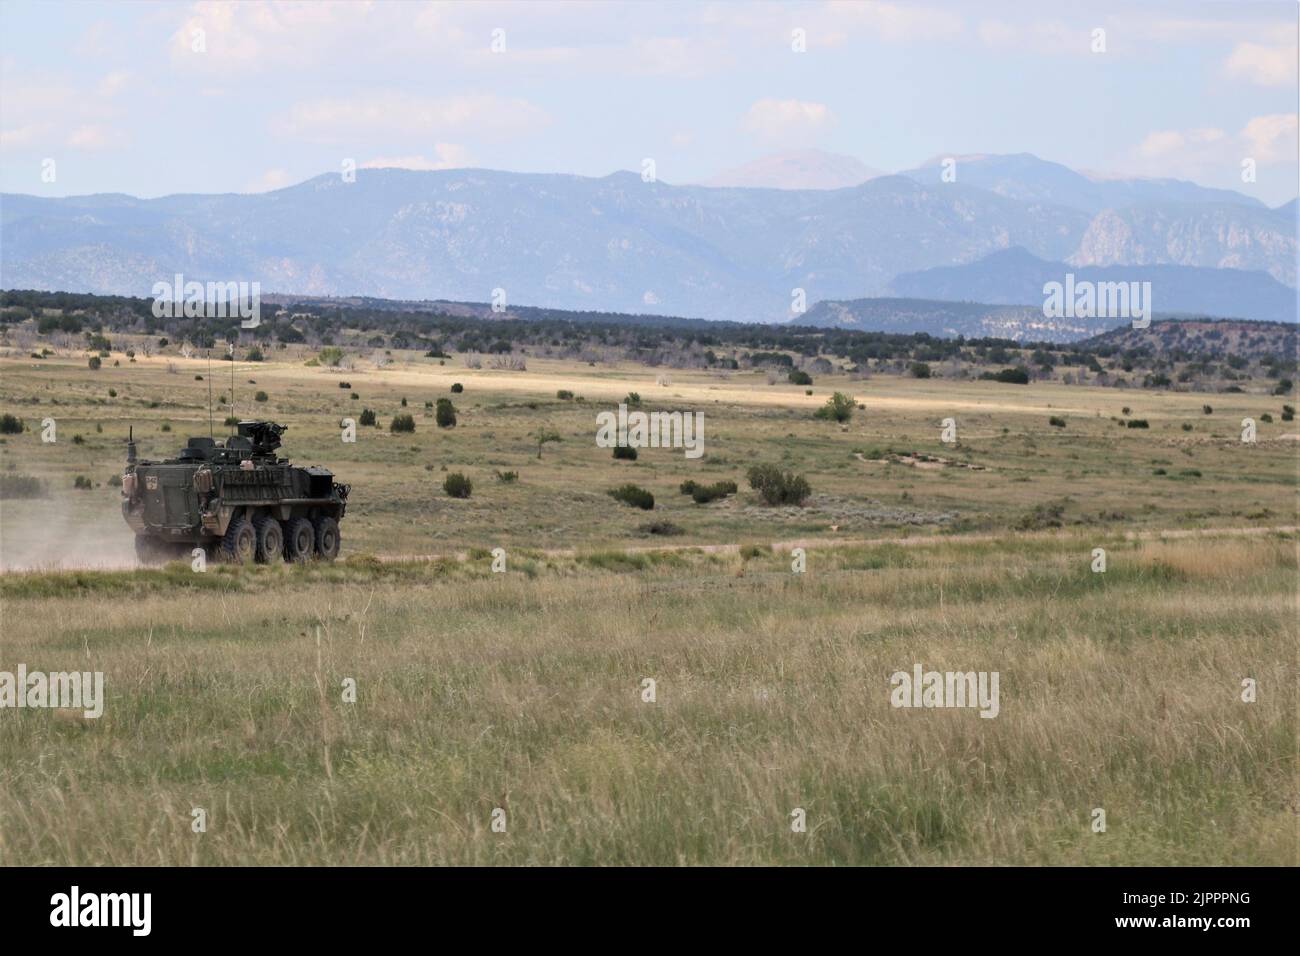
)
(68, 530)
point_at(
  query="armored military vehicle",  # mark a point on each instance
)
(235, 499)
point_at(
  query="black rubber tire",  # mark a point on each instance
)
(240, 542)
(270, 540)
(328, 540)
(299, 540)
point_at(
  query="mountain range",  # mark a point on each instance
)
(618, 243)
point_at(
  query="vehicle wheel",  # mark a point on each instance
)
(240, 543)
(149, 550)
(299, 540)
(327, 538)
(270, 540)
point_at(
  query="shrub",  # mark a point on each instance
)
(665, 528)
(1042, 517)
(632, 398)
(10, 424)
(331, 355)
(1008, 376)
(457, 485)
(1266, 417)
(507, 477)
(687, 487)
(112, 393)
(919, 370)
(777, 487)
(1125, 410)
(1138, 423)
(839, 407)
(564, 395)
(82, 482)
(798, 377)
(1284, 387)
(1187, 426)
(1207, 409)
(95, 363)
(625, 452)
(367, 417)
(261, 397)
(457, 388)
(703, 494)
(78, 440)
(198, 378)
(345, 384)
(634, 496)
(1056, 421)
(231, 420)
(254, 355)
(445, 414)
(166, 427)
(22, 486)
(402, 423)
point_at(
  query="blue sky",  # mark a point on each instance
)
(117, 96)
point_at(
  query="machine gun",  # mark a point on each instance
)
(263, 436)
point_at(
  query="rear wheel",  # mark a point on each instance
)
(327, 538)
(240, 542)
(299, 540)
(270, 540)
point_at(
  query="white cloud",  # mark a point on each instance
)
(1208, 153)
(785, 119)
(1262, 64)
(113, 83)
(95, 136)
(402, 117)
(446, 156)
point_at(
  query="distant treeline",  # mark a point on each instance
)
(409, 326)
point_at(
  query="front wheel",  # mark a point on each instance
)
(327, 538)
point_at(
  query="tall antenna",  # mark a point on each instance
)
(209, 393)
(232, 382)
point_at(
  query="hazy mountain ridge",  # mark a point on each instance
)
(1016, 277)
(609, 244)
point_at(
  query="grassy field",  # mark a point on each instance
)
(523, 691)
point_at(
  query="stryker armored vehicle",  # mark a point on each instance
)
(235, 499)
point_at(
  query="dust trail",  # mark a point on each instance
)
(68, 530)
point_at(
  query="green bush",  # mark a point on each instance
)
(919, 370)
(261, 397)
(457, 485)
(10, 424)
(367, 416)
(798, 377)
(776, 487)
(839, 407)
(231, 420)
(95, 363)
(507, 477)
(1056, 421)
(255, 355)
(564, 395)
(634, 496)
(457, 388)
(1138, 423)
(445, 413)
(703, 494)
(402, 423)
(82, 482)
(1008, 376)
(625, 452)
(632, 398)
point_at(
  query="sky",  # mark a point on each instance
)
(150, 99)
